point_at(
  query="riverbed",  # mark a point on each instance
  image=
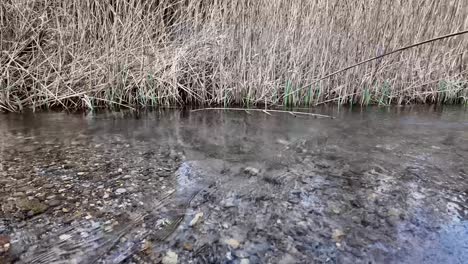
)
(372, 185)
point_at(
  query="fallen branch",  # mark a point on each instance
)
(266, 111)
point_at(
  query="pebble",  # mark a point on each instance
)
(196, 219)
(120, 191)
(232, 243)
(228, 203)
(64, 237)
(282, 141)
(241, 254)
(394, 212)
(251, 171)
(229, 256)
(338, 235)
(245, 261)
(33, 207)
(53, 203)
(146, 246)
(287, 259)
(188, 246)
(4, 243)
(170, 258)
(48, 186)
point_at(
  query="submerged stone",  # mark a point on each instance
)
(120, 191)
(170, 258)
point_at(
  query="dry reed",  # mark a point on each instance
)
(88, 53)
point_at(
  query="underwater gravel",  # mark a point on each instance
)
(323, 197)
(78, 201)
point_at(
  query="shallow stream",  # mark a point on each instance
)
(374, 185)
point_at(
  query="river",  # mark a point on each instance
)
(373, 185)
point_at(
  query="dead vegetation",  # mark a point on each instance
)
(87, 54)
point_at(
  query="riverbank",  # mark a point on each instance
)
(85, 55)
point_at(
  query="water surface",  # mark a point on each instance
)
(375, 185)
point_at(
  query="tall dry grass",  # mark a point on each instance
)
(92, 53)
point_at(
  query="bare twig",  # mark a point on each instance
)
(265, 111)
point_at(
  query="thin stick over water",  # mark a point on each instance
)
(266, 111)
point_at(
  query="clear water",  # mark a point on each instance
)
(378, 185)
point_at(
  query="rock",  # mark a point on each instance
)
(188, 246)
(163, 174)
(51, 197)
(120, 191)
(4, 243)
(287, 259)
(48, 186)
(294, 200)
(245, 261)
(64, 237)
(228, 202)
(65, 210)
(146, 247)
(32, 207)
(338, 235)
(232, 243)
(393, 212)
(336, 210)
(282, 141)
(53, 203)
(251, 171)
(229, 256)
(242, 254)
(18, 194)
(196, 219)
(105, 196)
(170, 258)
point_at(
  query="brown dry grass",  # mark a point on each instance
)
(90, 53)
